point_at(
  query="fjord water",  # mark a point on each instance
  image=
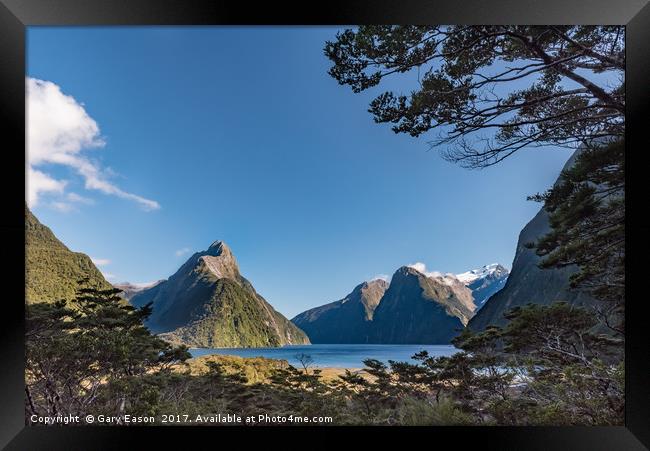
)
(334, 355)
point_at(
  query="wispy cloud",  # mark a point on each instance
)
(109, 276)
(59, 130)
(182, 251)
(62, 207)
(144, 284)
(69, 202)
(385, 277)
(76, 198)
(100, 261)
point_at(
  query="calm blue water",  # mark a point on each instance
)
(334, 355)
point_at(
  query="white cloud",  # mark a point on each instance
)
(108, 276)
(39, 182)
(182, 251)
(421, 267)
(385, 277)
(59, 130)
(100, 261)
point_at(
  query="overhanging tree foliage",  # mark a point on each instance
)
(490, 90)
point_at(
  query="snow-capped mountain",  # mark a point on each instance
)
(491, 270)
(417, 306)
(484, 282)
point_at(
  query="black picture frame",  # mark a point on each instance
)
(16, 15)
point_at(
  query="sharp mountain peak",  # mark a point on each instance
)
(219, 260)
(219, 247)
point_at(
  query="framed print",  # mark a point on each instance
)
(371, 218)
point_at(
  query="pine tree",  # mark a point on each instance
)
(75, 352)
(587, 216)
(467, 84)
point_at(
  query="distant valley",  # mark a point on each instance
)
(130, 289)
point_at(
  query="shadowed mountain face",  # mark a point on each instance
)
(417, 309)
(347, 320)
(52, 271)
(414, 309)
(208, 303)
(528, 283)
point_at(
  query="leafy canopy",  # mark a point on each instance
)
(468, 84)
(75, 349)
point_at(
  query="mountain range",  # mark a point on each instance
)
(348, 320)
(494, 293)
(208, 303)
(416, 307)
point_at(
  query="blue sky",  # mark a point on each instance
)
(239, 134)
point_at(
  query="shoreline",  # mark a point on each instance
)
(193, 348)
(331, 358)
